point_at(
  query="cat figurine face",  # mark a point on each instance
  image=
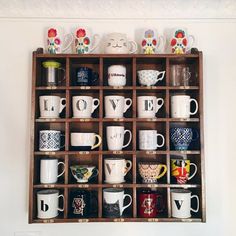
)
(111, 210)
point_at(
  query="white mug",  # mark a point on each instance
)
(49, 170)
(115, 137)
(51, 106)
(86, 141)
(84, 106)
(48, 203)
(116, 106)
(116, 169)
(181, 203)
(180, 106)
(148, 140)
(114, 198)
(148, 106)
(117, 75)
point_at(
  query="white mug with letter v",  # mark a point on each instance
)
(148, 106)
(84, 106)
(116, 106)
(180, 106)
(116, 169)
(115, 137)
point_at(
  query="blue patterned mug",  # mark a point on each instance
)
(182, 137)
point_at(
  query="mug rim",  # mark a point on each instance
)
(115, 96)
(179, 191)
(150, 163)
(49, 96)
(114, 159)
(113, 190)
(50, 130)
(82, 96)
(147, 70)
(85, 166)
(115, 126)
(48, 192)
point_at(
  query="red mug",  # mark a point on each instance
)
(150, 204)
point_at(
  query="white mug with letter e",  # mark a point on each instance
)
(117, 75)
(180, 106)
(84, 106)
(48, 203)
(148, 140)
(51, 106)
(181, 203)
(148, 106)
(49, 170)
(113, 202)
(116, 169)
(115, 137)
(116, 106)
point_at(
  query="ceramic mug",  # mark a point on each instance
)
(84, 106)
(113, 202)
(179, 75)
(116, 169)
(51, 106)
(115, 137)
(180, 106)
(117, 75)
(48, 203)
(117, 43)
(148, 106)
(150, 77)
(116, 106)
(151, 171)
(181, 203)
(85, 76)
(83, 173)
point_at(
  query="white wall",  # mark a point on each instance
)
(215, 37)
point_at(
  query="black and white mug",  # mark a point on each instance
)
(116, 75)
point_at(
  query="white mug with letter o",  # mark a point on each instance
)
(48, 203)
(148, 140)
(49, 170)
(116, 169)
(148, 106)
(84, 106)
(181, 105)
(51, 106)
(181, 203)
(117, 75)
(116, 106)
(113, 202)
(115, 137)
(85, 141)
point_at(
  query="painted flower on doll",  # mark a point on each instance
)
(52, 33)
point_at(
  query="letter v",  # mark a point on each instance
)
(114, 103)
(178, 203)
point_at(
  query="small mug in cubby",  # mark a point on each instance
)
(116, 75)
(180, 75)
(150, 77)
(85, 76)
(83, 173)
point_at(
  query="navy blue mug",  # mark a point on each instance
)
(85, 76)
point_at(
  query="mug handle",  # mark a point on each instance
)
(196, 103)
(70, 37)
(162, 203)
(94, 174)
(195, 210)
(191, 40)
(163, 141)
(127, 106)
(162, 43)
(61, 209)
(130, 138)
(62, 146)
(126, 195)
(61, 105)
(197, 135)
(61, 163)
(164, 171)
(64, 75)
(99, 142)
(162, 73)
(134, 46)
(195, 171)
(96, 38)
(159, 106)
(95, 77)
(94, 107)
(127, 169)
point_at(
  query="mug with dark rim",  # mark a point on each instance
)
(85, 76)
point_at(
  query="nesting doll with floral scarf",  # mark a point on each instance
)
(149, 42)
(179, 42)
(53, 41)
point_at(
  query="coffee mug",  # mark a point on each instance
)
(50, 140)
(150, 203)
(49, 170)
(179, 75)
(181, 203)
(48, 203)
(180, 170)
(85, 76)
(150, 77)
(85, 141)
(83, 173)
(116, 169)
(115, 137)
(151, 171)
(113, 202)
(117, 75)
(116, 106)
(56, 41)
(181, 137)
(148, 106)
(148, 140)
(84, 106)
(51, 106)
(180, 106)
(117, 43)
